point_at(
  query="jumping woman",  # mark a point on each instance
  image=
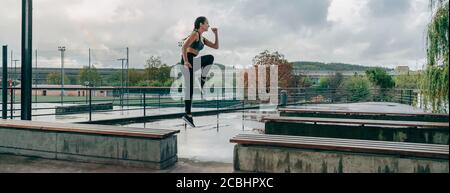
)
(191, 48)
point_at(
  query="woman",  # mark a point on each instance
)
(191, 48)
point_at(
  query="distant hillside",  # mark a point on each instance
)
(319, 66)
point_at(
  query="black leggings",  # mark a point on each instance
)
(205, 62)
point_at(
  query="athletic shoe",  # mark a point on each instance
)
(188, 120)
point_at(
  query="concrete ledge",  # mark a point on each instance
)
(97, 144)
(268, 159)
(397, 131)
(426, 117)
(76, 109)
(292, 154)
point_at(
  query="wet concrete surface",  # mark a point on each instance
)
(205, 149)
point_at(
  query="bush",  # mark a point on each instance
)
(357, 89)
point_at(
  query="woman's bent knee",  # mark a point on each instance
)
(210, 59)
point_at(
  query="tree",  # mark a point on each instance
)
(332, 86)
(332, 82)
(54, 78)
(73, 80)
(381, 78)
(305, 82)
(285, 77)
(336, 80)
(115, 78)
(407, 81)
(357, 88)
(434, 83)
(90, 75)
(323, 83)
(154, 62)
(157, 73)
(383, 81)
(319, 66)
(135, 76)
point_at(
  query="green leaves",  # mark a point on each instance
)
(54, 78)
(434, 85)
(407, 81)
(381, 78)
(90, 75)
(357, 89)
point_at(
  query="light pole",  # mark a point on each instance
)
(62, 49)
(35, 77)
(128, 78)
(121, 81)
(89, 59)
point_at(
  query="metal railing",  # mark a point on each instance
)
(144, 99)
(330, 96)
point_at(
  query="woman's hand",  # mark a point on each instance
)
(214, 45)
(187, 65)
(214, 30)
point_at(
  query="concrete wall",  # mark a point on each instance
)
(142, 152)
(291, 160)
(398, 134)
(76, 109)
(424, 118)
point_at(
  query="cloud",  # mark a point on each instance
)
(370, 32)
(389, 8)
(288, 14)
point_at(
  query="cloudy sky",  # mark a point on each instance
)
(369, 32)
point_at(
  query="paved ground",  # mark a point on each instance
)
(19, 164)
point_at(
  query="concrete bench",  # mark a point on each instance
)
(295, 154)
(384, 130)
(153, 148)
(84, 108)
(426, 117)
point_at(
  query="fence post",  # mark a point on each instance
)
(12, 99)
(284, 98)
(401, 96)
(145, 106)
(243, 109)
(411, 98)
(181, 102)
(121, 98)
(217, 105)
(90, 104)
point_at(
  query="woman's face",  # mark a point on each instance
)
(205, 26)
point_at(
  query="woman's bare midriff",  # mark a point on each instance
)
(193, 51)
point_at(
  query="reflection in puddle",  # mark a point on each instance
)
(210, 140)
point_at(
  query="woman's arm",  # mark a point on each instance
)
(193, 37)
(214, 45)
